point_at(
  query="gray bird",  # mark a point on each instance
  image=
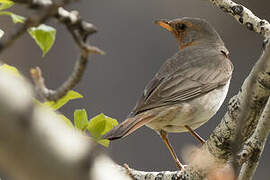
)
(188, 89)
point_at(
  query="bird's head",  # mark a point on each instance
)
(190, 31)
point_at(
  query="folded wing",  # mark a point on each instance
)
(189, 81)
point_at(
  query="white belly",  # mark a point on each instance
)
(194, 113)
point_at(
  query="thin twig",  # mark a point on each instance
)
(35, 3)
(43, 14)
(79, 30)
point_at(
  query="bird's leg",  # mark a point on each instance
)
(165, 139)
(194, 134)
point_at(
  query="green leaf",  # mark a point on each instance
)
(15, 18)
(97, 125)
(66, 120)
(44, 36)
(5, 4)
(1, 33)
(104, 142)
(10, 69)
(58, 104)
(100, 125)
(37, 102)
(80, 119)
(61, 116)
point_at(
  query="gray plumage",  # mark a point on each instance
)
(185, 76)
(180, 93)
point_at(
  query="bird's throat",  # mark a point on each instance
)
(184, 45)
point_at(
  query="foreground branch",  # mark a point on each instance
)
(36, 144)
(29, 124)
(47, 149)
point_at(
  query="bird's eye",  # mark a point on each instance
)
(180, 26)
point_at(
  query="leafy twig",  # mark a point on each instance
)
(79, 30)
(46, 11)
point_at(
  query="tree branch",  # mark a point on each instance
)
(219, 144)
(46, 11)
(253, 23)
(32, 146)
(36, 144)
(24, 124)
(254, 146)
(79, 30)
(244, 16)
(256, 91)
(35, 3)
(164, 175)
(247, 106)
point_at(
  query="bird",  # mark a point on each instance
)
(189, 87)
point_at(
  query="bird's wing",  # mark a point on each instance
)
(188, 81)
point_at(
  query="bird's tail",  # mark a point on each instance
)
(128, 126)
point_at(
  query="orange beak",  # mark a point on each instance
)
(165, 24)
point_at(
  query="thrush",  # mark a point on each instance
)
(188, 89)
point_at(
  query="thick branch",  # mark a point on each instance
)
(219, 144)
(164, 175)
(255, 90)
(36, 144)
(32, 146)
(251, 100)
(254, 146)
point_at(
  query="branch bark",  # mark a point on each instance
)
(36, 144)
(46, 10)
(246, 107)
(219, 144)
(23, 126)
(253, 147)
(80, 30)
(244, 16)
